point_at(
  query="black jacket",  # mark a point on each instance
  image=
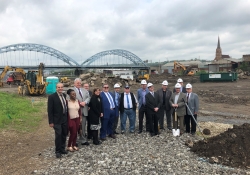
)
(122, 102)
(55, 109)
(152, 102)
(167, 97)
(95, 110)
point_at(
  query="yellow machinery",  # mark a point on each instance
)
(64, 80)
(143, 74)
(34, 84)
(6, 69)
(186, 71)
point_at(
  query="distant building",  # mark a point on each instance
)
(218, 52)
(246, 57)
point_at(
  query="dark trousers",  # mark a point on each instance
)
(73, 128)
(153, 123)
(61, 131)
(94, 133)
(107, 125)
(188, 119)
(162, 112)
(89, 132)
(115, 123)
(142, 112)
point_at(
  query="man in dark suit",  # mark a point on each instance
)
(117, 96)
(164, 95)
(141, 93)
(107, 120)
(193, 104)
(182, 89)
(57, 114)
(153, 104)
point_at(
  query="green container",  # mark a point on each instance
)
(218, 77)
(52, 81)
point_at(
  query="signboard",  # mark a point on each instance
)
(214, 75)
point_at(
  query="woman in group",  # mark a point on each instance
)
(95, 112)
(74, 119)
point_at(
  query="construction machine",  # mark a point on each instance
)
(143, 74)
(34, 84)
(17, 76)
(185, 70)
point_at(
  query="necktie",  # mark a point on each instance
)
(187, 98)
(111, 101)
(128, 101)
(80, 92)
(64, 105)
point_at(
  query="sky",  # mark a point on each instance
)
(157, 30)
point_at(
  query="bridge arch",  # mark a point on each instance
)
(123, 53)
(39, 48)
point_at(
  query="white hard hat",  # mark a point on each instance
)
(165, 83)
(117, 85)
(149, 84)
(143, 82)
(179, 80)
(188, 85)
(178, 85)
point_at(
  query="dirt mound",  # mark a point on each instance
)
(212, 96)
(230, 148)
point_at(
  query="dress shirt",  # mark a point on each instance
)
(176, 98)
(143, 97)
(125, 102)
(110, 99)
(117, 98)
(189, 96)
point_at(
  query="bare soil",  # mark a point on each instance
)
(20, 151)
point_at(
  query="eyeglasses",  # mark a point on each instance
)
(106, 87)
(126, 87)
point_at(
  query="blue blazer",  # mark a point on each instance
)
(139, 96)
(106, 105)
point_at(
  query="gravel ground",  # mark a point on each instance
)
(135, 154)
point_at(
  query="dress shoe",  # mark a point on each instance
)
(152, 134)
(64, 152)
(112, 136)
(98, 143)
(193, 133)
(162, 128)
(102, 139)
(132, 131)
(116, 132)
(122, 132)
(85, 143)
(58, 155)
(140, 131)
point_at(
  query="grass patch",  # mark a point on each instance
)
(17, 113)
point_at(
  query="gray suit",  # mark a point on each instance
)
(193, 104)
(181, 110)
(84, 98)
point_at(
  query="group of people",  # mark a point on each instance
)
(82, 110)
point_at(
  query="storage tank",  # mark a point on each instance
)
(52, 81)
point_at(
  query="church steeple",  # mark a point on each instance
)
(218, 44)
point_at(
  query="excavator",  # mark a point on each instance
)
(19, 80)
(31, 82)
(186, 70)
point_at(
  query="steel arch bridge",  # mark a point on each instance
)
(119, 52)
(39, 48)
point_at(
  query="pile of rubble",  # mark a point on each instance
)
(242, 74)
(211, 96)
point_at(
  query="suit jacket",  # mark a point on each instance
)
(85, 98)
(152, 102)
(55, 109)
(95, 110)
(183, 90)
(167, 97)
(139, 96)
(193, 103)
(181, 110)
(106, 104)
(116, 105)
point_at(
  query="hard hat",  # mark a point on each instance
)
(116, 85)
(178, 85)
(188, 85)
(179, 80)
(143, 82)
(165, 83)
(149, 84)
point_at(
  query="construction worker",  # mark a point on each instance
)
(182, 89)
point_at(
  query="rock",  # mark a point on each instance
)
(189, 143)
(206, 131)
(233, 135)
(213, 160)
